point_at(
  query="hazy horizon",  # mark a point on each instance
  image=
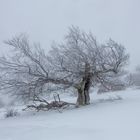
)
(48, 20)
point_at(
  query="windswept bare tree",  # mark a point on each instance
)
(80, 63)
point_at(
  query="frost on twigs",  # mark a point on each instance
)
(45, 106)
(10, 112)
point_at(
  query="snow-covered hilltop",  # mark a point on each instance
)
(111, 116)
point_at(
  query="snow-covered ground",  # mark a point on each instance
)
(107, 118)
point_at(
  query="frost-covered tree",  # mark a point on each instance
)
(133, 79)
(80, 62)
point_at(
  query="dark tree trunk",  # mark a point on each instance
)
(84, 87)
(83, 92)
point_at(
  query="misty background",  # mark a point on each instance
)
(48, 20)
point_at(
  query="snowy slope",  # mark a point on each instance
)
(105, 119)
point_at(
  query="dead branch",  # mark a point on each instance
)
(45, 106)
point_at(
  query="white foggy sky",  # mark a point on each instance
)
(47, 20)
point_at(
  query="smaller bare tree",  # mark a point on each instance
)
(133, 78)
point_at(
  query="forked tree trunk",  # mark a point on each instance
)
(84, 86)
(83, 92)
(83, 98)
